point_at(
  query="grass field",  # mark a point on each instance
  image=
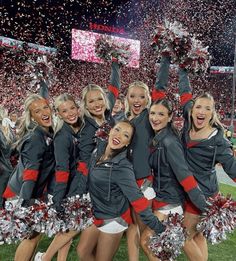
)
(225, 251)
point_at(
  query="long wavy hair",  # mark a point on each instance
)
(27, 125)
(6, 129)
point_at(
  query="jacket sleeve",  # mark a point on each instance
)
(114, 86)
(43, 91)
(32, 157)
(176, 159)
(161, 79)
(225, 156)
(127, 183)
(62, 145)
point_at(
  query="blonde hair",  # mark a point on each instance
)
(83, 105)
(214, 121)
(26, 121)
(58, 101)
(141, 85)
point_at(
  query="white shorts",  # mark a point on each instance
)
(112, 227)
(178, 210)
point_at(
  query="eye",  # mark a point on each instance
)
(152, 113)
(142, 97)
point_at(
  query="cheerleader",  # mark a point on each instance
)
(96, 112)
(112, 188)
(171, 173)
(204, 146)
(36, 163)
(67, 181)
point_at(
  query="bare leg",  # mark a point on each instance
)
(58, 243)
(107, 246)
(195, 247)
(87, 244)
(25, 251)
(63, 252)
(145, 236)
(133, 238)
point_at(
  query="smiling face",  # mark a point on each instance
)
(120, 136)
(202, 113)
(137, 99)
(68, 112)
(159, 117)
(41, 113)
(95, 103)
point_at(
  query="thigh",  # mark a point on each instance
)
(107, 246)
(88, 239)
(190, 222)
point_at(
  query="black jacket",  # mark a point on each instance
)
(113, 188)
(67, 178)
(172, 177)
(36, 165)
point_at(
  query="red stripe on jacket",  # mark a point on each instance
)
(114, 90)
(189, 183)
(140, 204)
(62, 176)
(185, 97)
(82, 167)
(8, 193)
(192, 144)
(158, 95)
(30, 174)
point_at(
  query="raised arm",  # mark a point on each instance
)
(114, 86)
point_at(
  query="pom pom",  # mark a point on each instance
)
(172, 39)
(76, 215)
(197, 60)
(107, 49)
(16, 223)
(168, 245)
(219, 220)
(103, 131)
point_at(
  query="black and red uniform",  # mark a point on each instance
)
(112, 188)
(67, 178)
(87, 139)
(172, 178)
(35, 167)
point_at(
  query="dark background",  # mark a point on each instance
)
(50, 22)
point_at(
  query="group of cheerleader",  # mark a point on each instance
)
(137, 169)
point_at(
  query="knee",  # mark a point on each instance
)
(145, 238)
(82, 253)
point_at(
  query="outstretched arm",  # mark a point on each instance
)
(161, 79)
(114, 86)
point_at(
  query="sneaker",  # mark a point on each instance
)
(1, 242)
(38, 256)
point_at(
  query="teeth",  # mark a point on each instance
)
(116, 141)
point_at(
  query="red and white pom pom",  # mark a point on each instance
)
(219, 220)
(108, 49)
(78, 212)
(197, 60)
(171, 39)
(103, 131)
(168, 245)
(76, 215)
(15, 223)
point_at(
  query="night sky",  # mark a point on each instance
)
(50, 22)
